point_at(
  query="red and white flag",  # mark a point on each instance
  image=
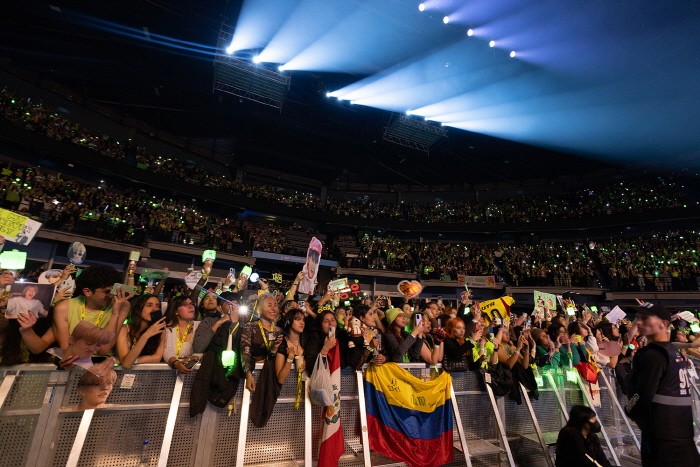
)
(332, 445)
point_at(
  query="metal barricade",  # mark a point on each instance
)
(40, 424)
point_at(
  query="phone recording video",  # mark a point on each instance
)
(418, 317)
(156, 316)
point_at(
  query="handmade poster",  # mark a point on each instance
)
(310, 270)
(17, 228)
(28, 297)
(192, 279)
(76, 253)
(615, 315)
(547, 300)
(339, 285)
(477, 281)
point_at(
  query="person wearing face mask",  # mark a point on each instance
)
(578, 444)
(659, 395)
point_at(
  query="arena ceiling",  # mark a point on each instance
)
(592, 84)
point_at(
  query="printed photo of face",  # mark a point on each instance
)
(76, 253)
(94, 390)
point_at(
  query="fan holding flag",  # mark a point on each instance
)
(324, 388)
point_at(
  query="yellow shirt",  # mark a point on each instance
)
(76, 307)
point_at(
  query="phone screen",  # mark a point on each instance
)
(156, 315)
(419, 318)
(331, 331)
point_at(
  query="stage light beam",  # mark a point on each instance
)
(492, 43)
(256, 59)
(512, 54)
(446, 19)
(421, 7)
(470, 32)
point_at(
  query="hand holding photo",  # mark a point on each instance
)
(28, 297)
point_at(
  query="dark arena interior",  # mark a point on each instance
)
(349, 232)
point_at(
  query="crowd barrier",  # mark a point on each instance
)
(40, 424)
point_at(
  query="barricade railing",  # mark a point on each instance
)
(41, 423)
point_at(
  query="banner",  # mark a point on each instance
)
(17, 228)
(408, 419)
(548, 300)
(477, 281)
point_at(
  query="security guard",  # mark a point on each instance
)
(660, 401)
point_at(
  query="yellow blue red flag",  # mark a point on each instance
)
(409, 420)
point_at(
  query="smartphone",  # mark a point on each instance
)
(302, 305)
(191, 362)
(418, 318)
(331, 331)
(528, 323)
(571, 311)
(695, 327)
(129, 290)
(156, 316)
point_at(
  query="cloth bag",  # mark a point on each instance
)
(320, 384)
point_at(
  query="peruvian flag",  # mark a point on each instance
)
(332, 445)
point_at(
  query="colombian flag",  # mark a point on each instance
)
(409, 420)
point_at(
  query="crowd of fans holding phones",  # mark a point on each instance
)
(290, 331)
(606, 200)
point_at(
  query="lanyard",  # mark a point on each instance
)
(264, 335)
(234, 329)
(99, 316)
(181, 340)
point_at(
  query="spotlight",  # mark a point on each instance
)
(421, 7)
(492, 43)
(281, 68)
(230, 49)
(409, 112)
(256, 59)
(446, 19)
(254, 277)
(470, 32)
(328, 94)
(242, 310)
(512, 54)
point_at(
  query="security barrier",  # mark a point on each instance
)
(146, 422)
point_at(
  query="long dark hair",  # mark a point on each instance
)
(173, 304)
(319, 321)
(579, 416)
(287, 321)
(135, 322)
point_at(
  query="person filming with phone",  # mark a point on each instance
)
(141, 339)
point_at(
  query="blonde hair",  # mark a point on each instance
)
(91, 379)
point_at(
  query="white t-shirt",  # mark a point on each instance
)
(17, 305)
